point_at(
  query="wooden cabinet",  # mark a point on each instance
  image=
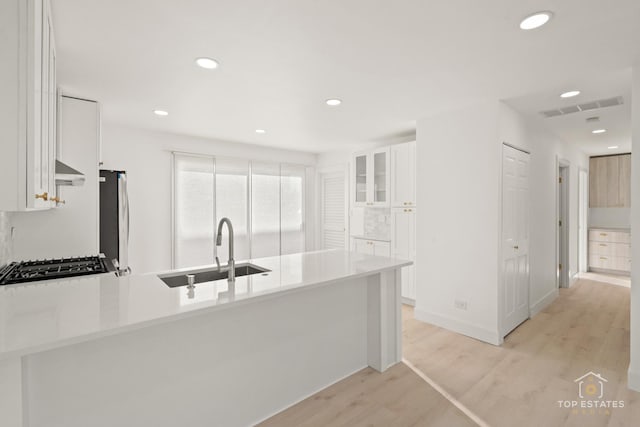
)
(28, 105)
(371, 178)
(403, 245)
(610, 181)
(371, 247)
(403, 174)
(609, 250)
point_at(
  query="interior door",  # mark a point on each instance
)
(333, 210)
(515, 239)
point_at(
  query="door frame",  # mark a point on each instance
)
(563, 198)
(583, 227)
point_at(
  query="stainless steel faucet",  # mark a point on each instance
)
(231, 263)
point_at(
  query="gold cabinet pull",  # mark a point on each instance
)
(604, 234)
(57, 200)
(603, 258)
(516, 247)
(603, 244)
(44, 196)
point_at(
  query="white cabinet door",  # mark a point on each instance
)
(363, 246)
(381, 248)
(371, 178)
(403, 174)
(27, 153)
(403, 238)
(380, 189)
(360, 179)
(514, 290)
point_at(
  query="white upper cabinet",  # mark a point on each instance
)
(27, 106)
(371, 178)
(403, 174)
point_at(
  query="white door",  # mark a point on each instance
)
(515, 239)
(333, 210)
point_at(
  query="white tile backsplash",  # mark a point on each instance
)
(6, 244)
(377, 223)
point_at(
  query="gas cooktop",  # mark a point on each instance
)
(30, 271)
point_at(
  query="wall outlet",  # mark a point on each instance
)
(460, 304)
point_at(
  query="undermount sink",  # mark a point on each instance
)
(174, 280)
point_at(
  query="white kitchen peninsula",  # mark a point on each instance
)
(131, 351)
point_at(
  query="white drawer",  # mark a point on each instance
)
(596, 235)
(610, 262)
(610, 249)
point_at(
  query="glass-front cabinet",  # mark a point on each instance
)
(371, 181)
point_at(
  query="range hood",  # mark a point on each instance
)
(66, 175)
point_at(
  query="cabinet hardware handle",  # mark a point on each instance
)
(603, 258)
(603, 234)
(516, 247)
(603, 244)
(44, 196)
(57, 200)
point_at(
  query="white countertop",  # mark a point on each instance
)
(38, 316)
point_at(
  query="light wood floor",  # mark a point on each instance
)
(517, 384)
(397, 397)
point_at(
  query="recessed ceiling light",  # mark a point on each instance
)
(570, 94)
(598, 131)
(207, 63)
(333, 102)
(613, 147)
(160, 113)
(535, 20)
(261, 131)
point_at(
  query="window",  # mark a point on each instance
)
(264, 201)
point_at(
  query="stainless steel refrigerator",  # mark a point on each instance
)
(114, 219)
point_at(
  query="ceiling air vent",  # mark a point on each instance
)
(587, 106)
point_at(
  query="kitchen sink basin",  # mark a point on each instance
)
(174, 280)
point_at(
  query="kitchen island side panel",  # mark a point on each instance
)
(230, 368)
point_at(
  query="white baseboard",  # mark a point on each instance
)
(455, 325)
(408, 301)
(574, 279)
(634, 380)
(543, 302)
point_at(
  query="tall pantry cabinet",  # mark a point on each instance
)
(28, 105)
(403, 213)
(386, 178)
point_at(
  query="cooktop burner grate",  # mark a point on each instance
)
(29, 271)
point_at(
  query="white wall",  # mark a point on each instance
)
(146, 156)
(634, 368)
(458, 162)
(610, 217)
(459, 155)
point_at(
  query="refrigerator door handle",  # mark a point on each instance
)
(123, 220)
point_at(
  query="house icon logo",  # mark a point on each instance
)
(591, 386)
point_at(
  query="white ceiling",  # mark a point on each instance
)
(391, 62)
(574, 127)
